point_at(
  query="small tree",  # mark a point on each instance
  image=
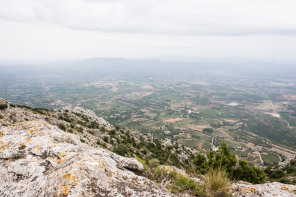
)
(222, 159)
(201, 163)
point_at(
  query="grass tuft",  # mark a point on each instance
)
(217, 183)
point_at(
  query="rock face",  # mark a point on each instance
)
(265, 190)
(38, 159)
(94, 117)
(286, 162)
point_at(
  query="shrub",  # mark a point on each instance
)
(102, 129)
(106, 139)
(222, 159)
(201, 163)
(62, 126)
(250, 174)
(290, 169)
(3, 106)
(93, 125)
(79, 129)
(1, 117)
(121, 149)
(82, 140)
(112, 132)
(277, 174)
(208, 130)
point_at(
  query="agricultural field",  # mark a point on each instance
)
(254, 114)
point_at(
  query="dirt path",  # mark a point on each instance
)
(260, 157)
(273, 107)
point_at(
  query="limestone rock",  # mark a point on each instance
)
(94, 117)
(38, 159)
(267, 190)
(286, 162)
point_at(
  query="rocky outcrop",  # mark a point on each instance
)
(38, 159)
(286, 162)
(90, 114)
(264, 190)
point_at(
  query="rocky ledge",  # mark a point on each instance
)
(38, 159)
(274, 189)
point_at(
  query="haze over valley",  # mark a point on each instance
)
(197, 104)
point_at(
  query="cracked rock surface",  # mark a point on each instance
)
(274, 189)
(38, 159)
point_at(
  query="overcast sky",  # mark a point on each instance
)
(34, 30)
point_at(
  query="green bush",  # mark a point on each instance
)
(247, 173)
(70, 131)
(79, 129)
(222, 159)
(201, 163)
(62, 126)
(290, 169)
(1, 117)
(105, 138)
(208, 130)
(112, 132)
(121, 149)
(3, 106)
(277, 174)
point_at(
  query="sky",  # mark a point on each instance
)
(50, 30)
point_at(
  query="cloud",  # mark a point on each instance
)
(33, 30)
(176, 17)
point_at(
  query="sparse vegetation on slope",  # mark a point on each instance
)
(284, 172)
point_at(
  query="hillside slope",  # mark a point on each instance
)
(97, 132)
(64, 153)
